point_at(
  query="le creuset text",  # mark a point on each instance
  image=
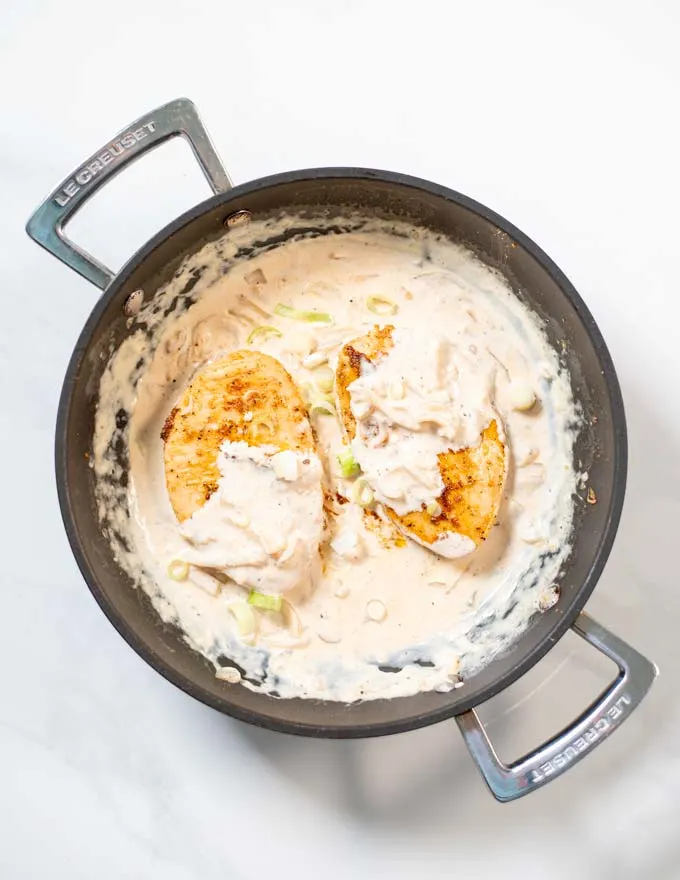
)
(91, 169)
(600, 728)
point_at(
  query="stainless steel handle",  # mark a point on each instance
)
(552, 758)
(179, 117)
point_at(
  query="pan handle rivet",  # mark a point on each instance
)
(133, 303)
(238, 218)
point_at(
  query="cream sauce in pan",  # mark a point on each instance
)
(386, 617)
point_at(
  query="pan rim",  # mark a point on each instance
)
(563, 621)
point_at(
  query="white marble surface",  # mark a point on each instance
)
(563, 117)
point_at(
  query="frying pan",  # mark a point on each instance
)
(601, 448)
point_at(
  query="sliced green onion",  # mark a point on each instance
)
(314, 397)
(263, 331)
(433, 509)
(321, 408)
(307, 391)
(178, 569)
(362, 494)
(302, 314)
(324, 378)
(245, 618)
(380, 305)
(349, 466)
(262, 600)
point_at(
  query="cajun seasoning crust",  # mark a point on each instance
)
(167, 425)
(369, 347)
(473, 478)
(246, 396)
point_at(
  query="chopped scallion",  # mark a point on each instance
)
(264, 601)
(263, 331)
(324, 378)
(362, 494)
(322, 408)
(380, 305)
(349, 466)
(433, 509)
(178, 569)
(245, 618)
(303, 315)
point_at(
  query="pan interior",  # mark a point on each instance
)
(316, 196)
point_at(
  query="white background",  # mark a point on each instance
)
(562, 116)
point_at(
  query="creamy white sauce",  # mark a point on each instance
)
(380, 602)
(262, 526)
(423, 397)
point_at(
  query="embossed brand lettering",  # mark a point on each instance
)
(596, 731)
(88, 172)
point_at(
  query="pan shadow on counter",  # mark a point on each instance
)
(421, 786)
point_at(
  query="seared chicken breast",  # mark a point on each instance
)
(247, 396)
(473, 478)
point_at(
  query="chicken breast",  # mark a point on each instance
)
(246, 396)
(473, 478)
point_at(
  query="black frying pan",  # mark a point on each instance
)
(601, 447)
